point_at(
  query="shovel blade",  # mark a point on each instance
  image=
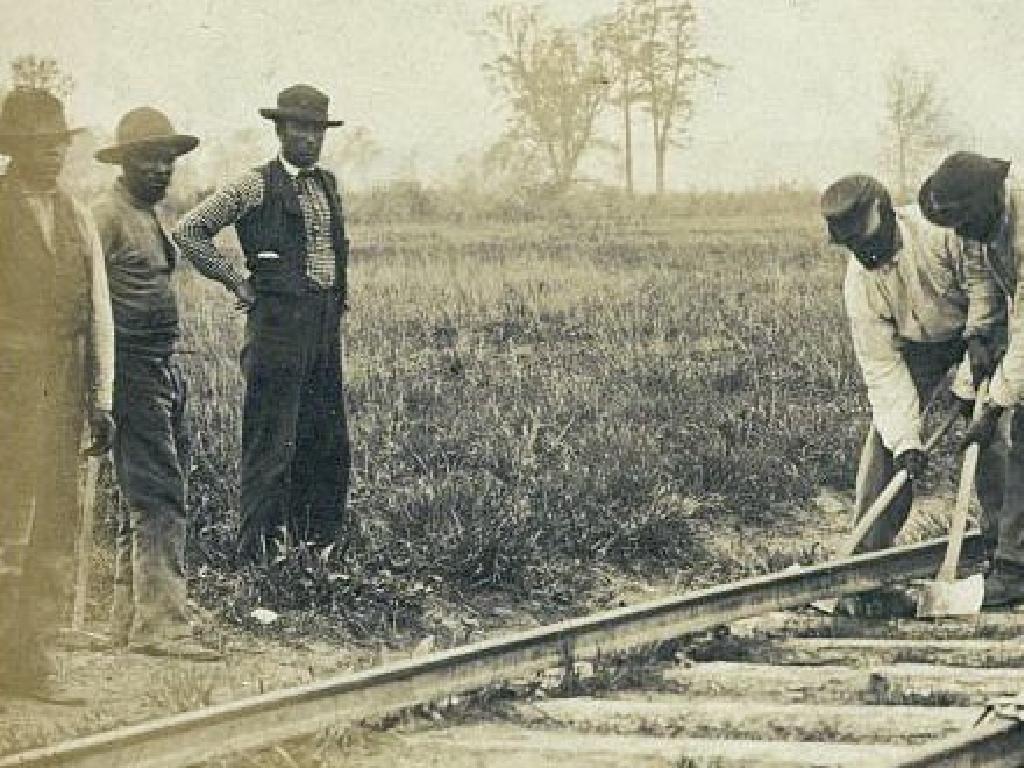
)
(961, 597)
(828, 606)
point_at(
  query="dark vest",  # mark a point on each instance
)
(277, 226)
(43, 293)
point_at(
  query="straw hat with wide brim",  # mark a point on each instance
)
(145, 128)
(32, 114)
(301, 102)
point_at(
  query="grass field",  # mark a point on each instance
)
(534, 404)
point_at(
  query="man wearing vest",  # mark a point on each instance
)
(288, 216)
(56, 365)
(978, 198)
(151, 450)
(916, 302)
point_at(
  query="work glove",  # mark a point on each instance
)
(101, 425)
(913, 460)
(983, 428)
(983, 358)
(964, 407)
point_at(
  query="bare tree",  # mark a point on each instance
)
(669, 67)
(917, 125)
(620, 36)
(31, 71)
(554, 80)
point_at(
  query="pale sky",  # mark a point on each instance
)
(801, 100)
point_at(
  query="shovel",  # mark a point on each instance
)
(880, 505)
(947, 596)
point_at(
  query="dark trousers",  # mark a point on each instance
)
(295, 443)
(1006, 527)
(928, 364)
(151, 455)
(41, 420)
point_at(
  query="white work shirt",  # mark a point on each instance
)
(932, 291)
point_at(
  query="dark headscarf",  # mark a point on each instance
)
(957, 186)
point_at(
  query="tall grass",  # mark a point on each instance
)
(532, 403)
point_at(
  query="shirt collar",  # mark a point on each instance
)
(292, 170)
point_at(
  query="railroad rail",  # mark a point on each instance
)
(276, 717)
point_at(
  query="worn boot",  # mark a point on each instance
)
(1004, 586)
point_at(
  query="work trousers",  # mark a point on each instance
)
(1005, 528)
(151, 456)
(295, 443)
(928, 364)
(42, 409)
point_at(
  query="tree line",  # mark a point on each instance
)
(558, 80)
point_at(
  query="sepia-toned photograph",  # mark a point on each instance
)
(500, 384)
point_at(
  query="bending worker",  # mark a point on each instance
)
(915, 303)
(980, 200)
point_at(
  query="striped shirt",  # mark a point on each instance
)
(230, 203)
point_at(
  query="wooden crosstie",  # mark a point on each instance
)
(275, 717)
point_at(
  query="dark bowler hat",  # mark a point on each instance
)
(846, 204)
(301, 102)
(31, 114)
(959, 179)
(143, 128)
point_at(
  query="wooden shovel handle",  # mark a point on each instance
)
(958, 525)
(885, 498)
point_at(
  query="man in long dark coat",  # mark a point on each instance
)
(56, 370)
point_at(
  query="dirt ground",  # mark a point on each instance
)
(124, 688)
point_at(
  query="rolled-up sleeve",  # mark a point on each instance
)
(196, 230)
(100, 337)
(895, 406)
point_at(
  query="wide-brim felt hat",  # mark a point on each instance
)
(302, 102)
(33, 114)
(960, 179)
(846, 204)
(146, 128)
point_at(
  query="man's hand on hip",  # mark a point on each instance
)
(245, 295)
(914, 461)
